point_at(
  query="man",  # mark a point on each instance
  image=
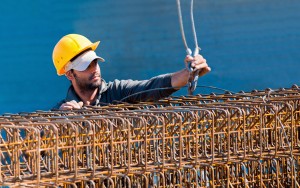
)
(74, 56)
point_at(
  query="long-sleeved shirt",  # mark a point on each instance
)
(120, 90)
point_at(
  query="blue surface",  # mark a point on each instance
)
(250, 44)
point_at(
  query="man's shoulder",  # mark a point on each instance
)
(120, 83)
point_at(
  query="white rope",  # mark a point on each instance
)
(188, 50)
(194, 78)
(196, 51)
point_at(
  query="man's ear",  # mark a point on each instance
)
(70, 75)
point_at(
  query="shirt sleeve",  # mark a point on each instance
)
(146, 90)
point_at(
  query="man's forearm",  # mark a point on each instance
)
(180, 78)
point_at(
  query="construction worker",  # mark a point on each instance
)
(74, 56)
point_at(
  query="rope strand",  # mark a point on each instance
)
(198, 86)
(194, 78)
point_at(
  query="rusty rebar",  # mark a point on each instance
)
(218, 140)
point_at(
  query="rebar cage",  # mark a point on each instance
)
(247, 139)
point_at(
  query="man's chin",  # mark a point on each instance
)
(95, 84)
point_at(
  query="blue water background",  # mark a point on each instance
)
(249, 44)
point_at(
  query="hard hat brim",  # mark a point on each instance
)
(93, 46)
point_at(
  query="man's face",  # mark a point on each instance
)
(89, 79)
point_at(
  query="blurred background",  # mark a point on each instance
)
(249, 44)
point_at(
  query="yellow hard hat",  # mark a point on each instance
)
(67, 48)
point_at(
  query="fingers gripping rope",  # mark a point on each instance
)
(194, 78)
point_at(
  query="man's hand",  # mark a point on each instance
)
(71, 105)
(197, 63)
(181, 78)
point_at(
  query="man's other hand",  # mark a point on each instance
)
(71, 105)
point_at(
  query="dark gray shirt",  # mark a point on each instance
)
(120, 91)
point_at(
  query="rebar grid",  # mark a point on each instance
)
(218, 140)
